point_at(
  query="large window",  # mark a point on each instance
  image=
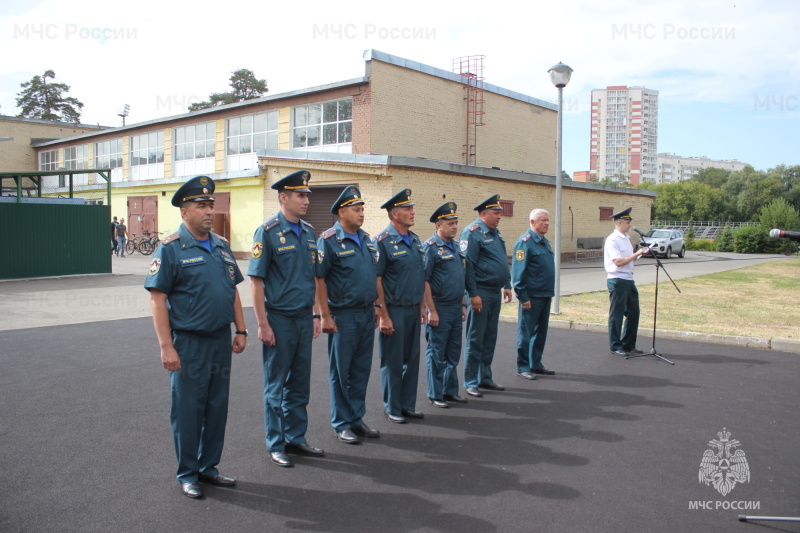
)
(194, 149)
(147, 156)
(247, 135)
(48, 160)
(75, 158)
(108, 154)
(324, 127)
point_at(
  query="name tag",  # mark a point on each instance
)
(192, 261)
(488, 241)
(446, 257)
(285, 249)
(399, 253)
(311, 245)
(346, 253)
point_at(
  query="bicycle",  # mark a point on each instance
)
(140, 244)
(155, 239)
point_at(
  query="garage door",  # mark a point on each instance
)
(319, 209)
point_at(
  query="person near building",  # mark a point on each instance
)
(623, 313)
(488, 285)
(533, 276)
(192, 282)
(114, 224)
(400, 308)
(347, 286)
(282, 264)
(445, 274)
(122, 236)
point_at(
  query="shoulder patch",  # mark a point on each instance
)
(173, 237)
(328, 233)
(381, 236)
(474, 227)
(526, 237)
(431, 241)
(271, 223)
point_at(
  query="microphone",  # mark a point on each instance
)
(778, 233)
(637, 230)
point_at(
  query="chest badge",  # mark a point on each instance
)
(231, 272)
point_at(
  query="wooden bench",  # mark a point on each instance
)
(589, 248)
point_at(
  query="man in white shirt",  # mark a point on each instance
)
(618, 256)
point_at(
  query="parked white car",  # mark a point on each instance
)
(666, 242)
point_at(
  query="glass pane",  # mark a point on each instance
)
(199, 149)
(151, 155)
(233, 127)
(272, 120)
(329, 111)
(189, 134)
(245, 144)
(300, 116)
(152, 140)
(272, 140)
(180, 135)
(345, 109)
(329, 134)
(314, 114)
(179, 152)
(200, 132)
(260, 123)
(345, 132)
(210, 148)
(233, 145)
(160, 154)
(134, 143)
(160, 139)
(259, 142)
(247, 124)
(299, 140)
(313, 135)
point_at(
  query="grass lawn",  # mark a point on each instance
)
(758, 301)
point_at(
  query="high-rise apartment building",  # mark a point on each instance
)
(624, 134)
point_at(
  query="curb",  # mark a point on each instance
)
(781, 345)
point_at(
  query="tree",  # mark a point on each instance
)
(245, 87)
(46, 101)
(750, 240)
(565, 176)
(724, 240)
(779, 214)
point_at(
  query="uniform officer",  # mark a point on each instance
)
(281, 271)
(533, 275)
(401, 310)
(192, 283)
(347, 285)
(445, 274)
(485, 250)
(618, 258)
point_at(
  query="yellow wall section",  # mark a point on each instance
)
(219, 146)
(285, 128)
(167, 152)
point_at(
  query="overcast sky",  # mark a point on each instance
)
(728, 72)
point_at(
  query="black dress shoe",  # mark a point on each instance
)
(635, 351)
(281, 459)
(472, 391)
(365, 431)
(491, 386)
(192, 489)
(544, 371)
(412, 414)
(219, 480)
(527, 375)
(304, 449)
(347, 436)
(394, 418)
(455, 398)
(623, 353)
(438, 403)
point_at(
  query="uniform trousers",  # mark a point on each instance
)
(444, 351)
(624, 300)
(400, 359)
(532, 334)
(199, 409)
(481, 338)
(287, 378)
(350, 357)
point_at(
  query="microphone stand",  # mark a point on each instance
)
(658, 265)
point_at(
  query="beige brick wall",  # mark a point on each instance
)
(17, 154)
(430, 189)
(418, 115)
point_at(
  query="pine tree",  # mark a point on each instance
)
(46, 101)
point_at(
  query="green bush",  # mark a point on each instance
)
(700, 245)
(750, 240)
(724, 240)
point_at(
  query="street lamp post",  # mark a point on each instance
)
(559, 75)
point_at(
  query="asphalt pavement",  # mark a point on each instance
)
(607, 444)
